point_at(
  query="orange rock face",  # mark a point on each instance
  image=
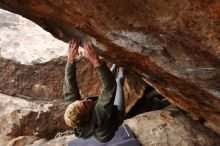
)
(175, 45)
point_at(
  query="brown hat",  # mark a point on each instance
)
(71, 115)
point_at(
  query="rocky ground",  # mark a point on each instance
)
(25, 123)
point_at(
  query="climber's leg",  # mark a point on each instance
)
(119, 97)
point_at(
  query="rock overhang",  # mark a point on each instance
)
(174, 45)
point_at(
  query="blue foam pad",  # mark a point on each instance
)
(123, 137)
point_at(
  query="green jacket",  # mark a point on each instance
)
(105, 118)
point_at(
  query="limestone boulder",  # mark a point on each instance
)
(19, 117)
(173, 44)
(171, 127)
(25, 42)
(32, 82)
(167, 127)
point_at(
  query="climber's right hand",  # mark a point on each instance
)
(73, 50)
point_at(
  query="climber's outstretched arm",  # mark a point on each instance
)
(70, 88)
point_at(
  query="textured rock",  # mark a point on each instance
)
(25, 42)
(44, 81)
(33, 141)
(19, 117)
(173, 44)
(27, 69)
(167, 127)
(134, 89)
(22, 141)
(39, 81)
(171, 127)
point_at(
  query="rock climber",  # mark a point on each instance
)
(101, 116)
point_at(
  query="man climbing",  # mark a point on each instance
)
(91, 116)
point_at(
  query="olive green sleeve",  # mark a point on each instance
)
(105, 103)
(107, 95)
(70, 88)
